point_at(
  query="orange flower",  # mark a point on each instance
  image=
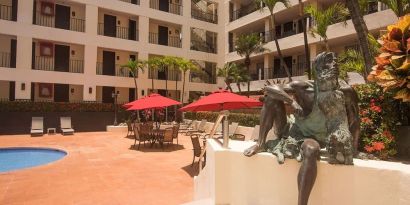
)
(368, 148)
(378, 146)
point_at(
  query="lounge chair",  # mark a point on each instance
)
(255, 133)
(65, 125)
(200, 129)
(37, 128)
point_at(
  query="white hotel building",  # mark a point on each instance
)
(72, 50)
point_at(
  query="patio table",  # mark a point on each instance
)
(156, 135)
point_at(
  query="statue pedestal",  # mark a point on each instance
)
(231, 178)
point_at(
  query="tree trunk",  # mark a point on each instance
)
(275, 38)
(176, 95)
(166, 92)
(152, 80)
(228, 85)
(305, 38)
(326, 44)
(239, 87)
(183, 89)
(248, 64)
(399, 8)
(362, 33)
(136, 96)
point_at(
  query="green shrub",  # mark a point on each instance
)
(248, 120)
(29, 106)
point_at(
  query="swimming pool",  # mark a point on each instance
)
(15, 158)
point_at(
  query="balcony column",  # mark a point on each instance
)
(89, 92)
(25, 12)
(21, 94)
(143, 30)
(90, 60)
(268, 28)
(186, 8)
(186, 37)
(268, 65)
(91, 19)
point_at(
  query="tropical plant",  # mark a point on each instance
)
(240, 75)
(185, 65)
(226, 72)
(399, 7)
(392, 71)
(155, 64)
(271, 7)
(357, 9)
(134, 66)
(245, 46)
(323, 18)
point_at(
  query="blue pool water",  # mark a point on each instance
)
(25, 157)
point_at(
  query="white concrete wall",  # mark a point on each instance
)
(231, 178)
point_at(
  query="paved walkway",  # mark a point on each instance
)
(101, 168)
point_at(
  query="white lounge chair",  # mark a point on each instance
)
(255, 133)
(37, 128)
(65, 124)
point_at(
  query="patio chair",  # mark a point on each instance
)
(188, 126)
(65, 125)
(168, 137)
(139, 135)
(198, 150)
(130, 128)
(175, 130)
(37, 128)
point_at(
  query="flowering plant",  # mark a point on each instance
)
(379, 118)
(392, 71)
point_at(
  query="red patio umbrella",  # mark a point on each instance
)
(151, 102)
(221, 100)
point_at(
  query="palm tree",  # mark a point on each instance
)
(226, 73)
(271, 6)
(305, 39)
(239, 75)
(185, 66)
(324, 18)
(155, 64)
(357, 9)
(245, 46)
(134, 66)
(399, 7)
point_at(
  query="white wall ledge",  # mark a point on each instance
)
(231, 178)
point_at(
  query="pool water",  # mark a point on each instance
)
(25, 157)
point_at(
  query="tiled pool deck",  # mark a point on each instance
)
(100, 168)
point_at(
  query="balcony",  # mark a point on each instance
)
(204, 41)
(165, 6)
(203, 46)
(6, 13)
(243, 11)
(118, 32)
(117, 70)
(198, 77)
(5, 60)
(136, 2)
(173, 41)
(204, 11)
(49, 64)
(204, 16)
(74, 24)
(169, 74)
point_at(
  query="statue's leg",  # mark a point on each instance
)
(307, 174)
(273, 114)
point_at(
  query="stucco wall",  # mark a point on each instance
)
(231, 178)
(4, 89)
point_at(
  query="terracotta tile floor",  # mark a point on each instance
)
(101, 168)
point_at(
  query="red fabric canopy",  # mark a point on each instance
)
(221, 100)
(151, 102)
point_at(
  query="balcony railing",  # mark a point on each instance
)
(204, 16)
(203, 46)
(243, 11)
(49, 21)
(47, 64)
(136, 2)
(198, 77)
(171, 8)
(120, 32)
(119, 70)
(6, 13)
(172, 41)
(172, 75)
(5, 59)
(298, 69)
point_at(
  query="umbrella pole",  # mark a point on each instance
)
(225, 126)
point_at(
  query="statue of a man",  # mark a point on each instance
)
(326, 115)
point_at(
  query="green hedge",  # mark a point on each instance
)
(29, 106)
(248, 120)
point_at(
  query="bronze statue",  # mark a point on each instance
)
(326, 116)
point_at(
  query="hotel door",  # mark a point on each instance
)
(61, 92)
(107, 94)
(110, 28)
(62, 18)
(164, 5)
(61, 58)
(108, 63)
(163, 35)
